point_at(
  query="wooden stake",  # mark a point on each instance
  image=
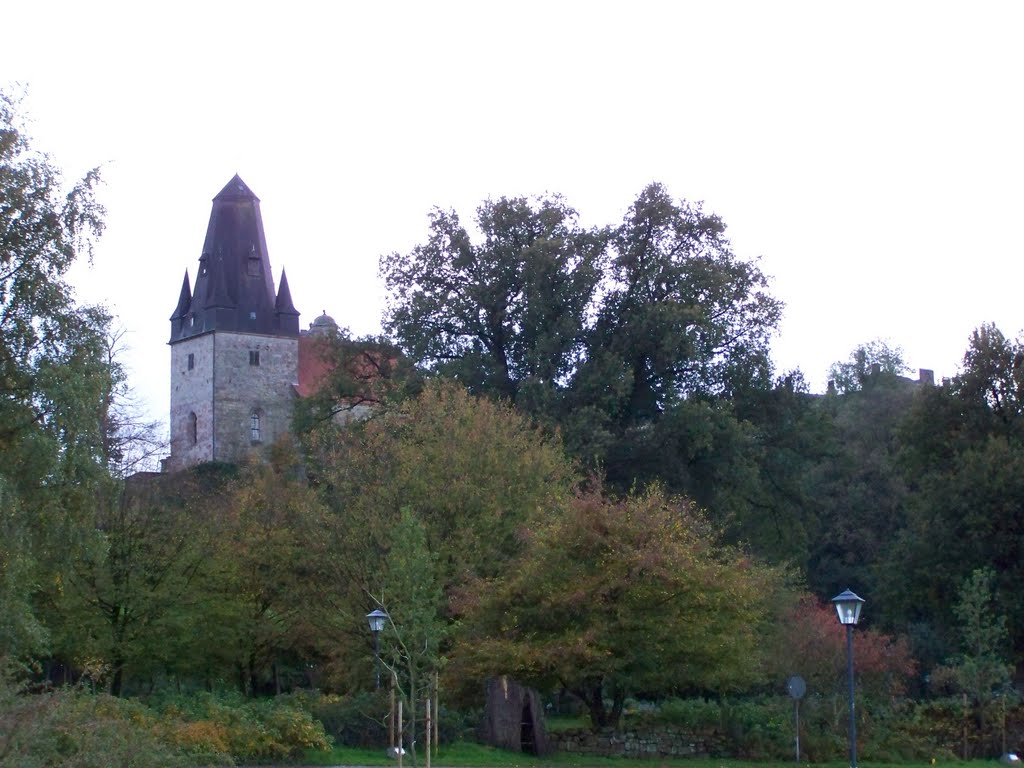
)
(428, 729)
(391, 717)
(437, 716)
(965, 726)
(400, 734)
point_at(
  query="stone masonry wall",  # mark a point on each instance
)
(222, 390)
(665, 741)
(191, 392)
(241, 388)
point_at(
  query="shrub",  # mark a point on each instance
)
(74, 729)
(361, 720)
(211, 724)
(355, 721)
(699, 715)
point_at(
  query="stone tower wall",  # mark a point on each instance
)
(223, 389)
(241, 388)
(191, 393)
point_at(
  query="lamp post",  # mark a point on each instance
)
(848, 607)
(376, 619)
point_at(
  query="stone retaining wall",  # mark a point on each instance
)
(665, 741)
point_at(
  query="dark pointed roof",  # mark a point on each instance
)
(284, 305)
(234, 287)
(184, 299)
(236, 189)
(287, 314)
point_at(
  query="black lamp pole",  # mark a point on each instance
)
(853, 715)
(376, 619)
(848, 607)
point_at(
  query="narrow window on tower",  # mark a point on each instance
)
(254, 262)
(191, 361)
(193, 428)
(254, 426)
(254, 357)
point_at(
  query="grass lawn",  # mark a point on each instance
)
(465, 755)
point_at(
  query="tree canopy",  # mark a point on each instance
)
(876, 357)
(599, 332)
(55, 378)
(611, 599)
(507, 312)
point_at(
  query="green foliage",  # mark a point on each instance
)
(598, 332)
(354, 375)
(962, 454)
(699, 715)
(762, 728)
(125, 598)
(776, 506)
(22, 635)
(505, 314)
(980, 670)
(858, 490)
(78, 730)
(683, 314)
(412, 597)
(358, 720)
(56, 385)
(472, 472)
(254, 730)
(268, 603)
(858, 371)
(612, 598)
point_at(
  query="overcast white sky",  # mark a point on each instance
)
(869, 153)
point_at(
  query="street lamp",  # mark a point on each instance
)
(848, 607)
(376, 619)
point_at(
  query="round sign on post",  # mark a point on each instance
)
(797, 688)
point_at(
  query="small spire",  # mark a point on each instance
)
(184, 299)
(284, 305)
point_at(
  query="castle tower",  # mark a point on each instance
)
(234, 342)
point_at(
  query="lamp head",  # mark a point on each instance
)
(376, 620)
(848, 607)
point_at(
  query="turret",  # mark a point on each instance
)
(287, 314)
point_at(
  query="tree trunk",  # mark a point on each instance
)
(117, 680)
(593, 696)
(618, 702)
(513, 718)
(412, 711)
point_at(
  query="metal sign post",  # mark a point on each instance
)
(797, 688)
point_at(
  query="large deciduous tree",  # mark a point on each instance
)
(474, 472)
(274, 577)
(612, 335)
(502, 313)
(682, 314)
(962, 459)
(55, 379)
(126, 607)
(417, 627)
(619, 598)
(856, 372)
(467, 474)
(45, 337)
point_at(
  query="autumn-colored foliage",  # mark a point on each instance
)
(813, 645)
(615, 598)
